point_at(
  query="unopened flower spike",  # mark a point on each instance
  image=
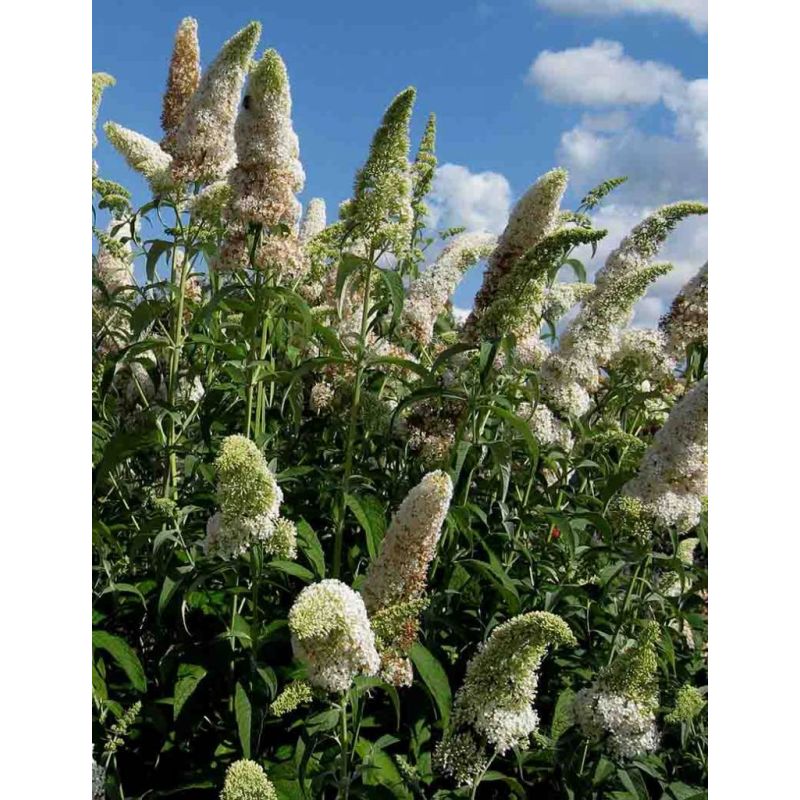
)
(249, 498)
(203, 145)
(100, 82)
(380, 211)
(182, 80)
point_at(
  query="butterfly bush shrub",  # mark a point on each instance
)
(346, 545)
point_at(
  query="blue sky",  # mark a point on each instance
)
(518, 86)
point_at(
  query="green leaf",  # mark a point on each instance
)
(189, 676)
(369, 513)
(522, 428)
(244, 715)
(124, 655)
(562, 714)
(397, 293)
(291, 568)
(309, 545)
(157, 248)
(435, 679)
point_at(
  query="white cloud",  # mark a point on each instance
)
(602, 75)
(662, 167)
(480, 201)
(695, 12)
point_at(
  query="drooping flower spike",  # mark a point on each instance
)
(533, 217)
(494, 706)
(143, 155)
(686, 323)
(621, 703)
(570, 375)
(428, 294)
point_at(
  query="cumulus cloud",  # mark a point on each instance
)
(601, 75)
(695, 12)
(662, 166)
(479, 201)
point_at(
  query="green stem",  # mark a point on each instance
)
(344, 780)
(171, 479)
(480, 777)
(351, 432)
(622, 613)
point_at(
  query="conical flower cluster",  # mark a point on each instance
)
(643, 353)
(100, 82)
(546, 427)
(249, 498)
(203, 145)
(687, 321)
(267, 176)
(621, 703)
(182, 80)
(673, 476)
(380, 214)
(571, 373)
(143, 155)
(495, 703)
(246, 780)
(313, 221)
(533, 217)
(689, 702)
(428, 294)
(422, 172)
(397, 578)
(113, 268)
(331, 634)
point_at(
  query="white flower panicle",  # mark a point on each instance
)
(533, 217)
(673, 476)
(143, 155)
(546, 427)
(399, 573)
(428, 294)
(246, 780)
(687, 320)
(571, 373)
(211, 202)
(561, 297)
(203, 145)
(268, 172)
(313, 221)
(622, 701)
(643, 352)
(331, 634)
(396, 579)
(250, 500)
(182, 79)
(630, 726)
(114, 265)
(98, 781)
(495, 703)
(267, 176)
